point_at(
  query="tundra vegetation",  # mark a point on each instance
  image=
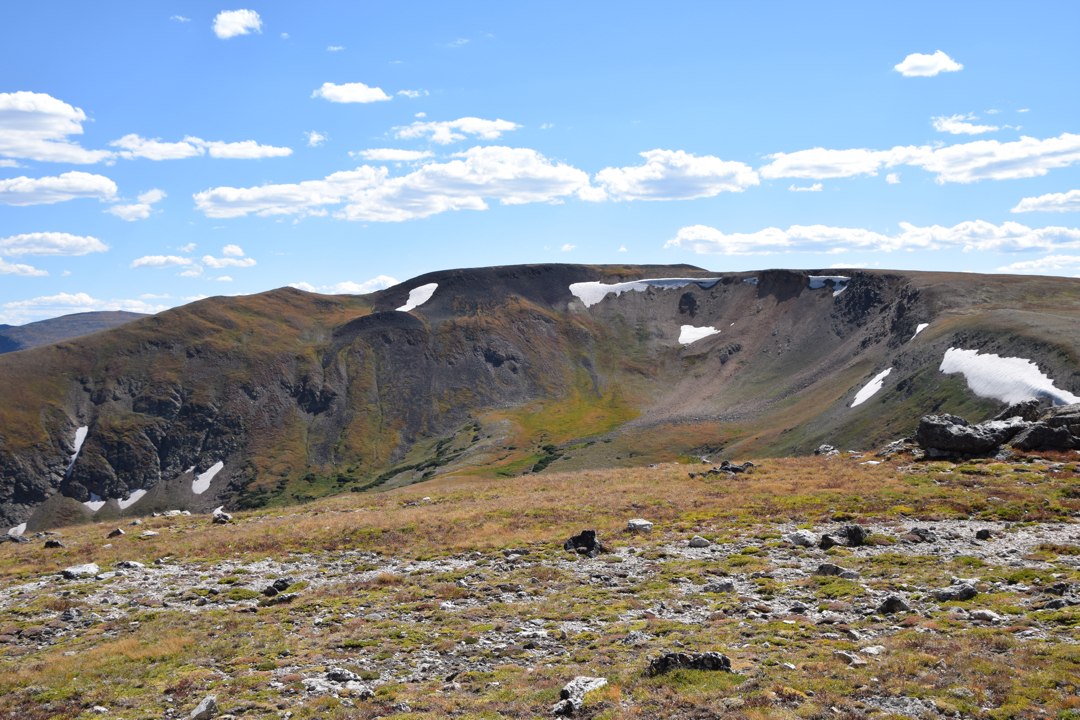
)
(456, 598)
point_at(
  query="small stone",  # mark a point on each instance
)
(148, 533)
(639, 525)
(955, 593)
(341, 675)
(699, 542)
(892, 604)
(137, 521)
(802, 538)
(205, 710)
(130, 565)
(983, 534)
(837, 571)
(985, 615)
(100, 710)
(873, 650)
(54, 544)
(115, 533)
(720, 586)
(850, 658)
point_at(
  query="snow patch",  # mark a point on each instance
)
(919, 329)
(136, 495)
(839, 282)
(871, 388)
(190, 470)
(752, 281)
(419, 296)
(591, 293)
(17, 530)
(690, 334)
(95, 503)
(80, 437)
(202, 482)
(1010, 380)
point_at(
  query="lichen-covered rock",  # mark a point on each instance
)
(955, 434)
(690, 661)
(572, 696)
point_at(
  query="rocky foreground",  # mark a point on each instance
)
(864, 590)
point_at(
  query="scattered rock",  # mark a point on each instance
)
(341, 675)
(983, 534)
(130, 565)
(720, 586)
(639, 525)
(699, 542)
(955, 434)
(837, 571)
(827, 542)
(205, 710)
(891, 605)
(873, 650)
(955, 593)
(78, 571)
(802, 538)
(54, 544)
(1026, 410)
(854, 534)
(586, 541)
(826, 450)
(691, 661)
(148, 533)
(221, 517)
(572, 696)
(1058, 588)
(849, 657)
(984, 615)
(115, 533)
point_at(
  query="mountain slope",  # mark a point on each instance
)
(44, 332)
(285, 396)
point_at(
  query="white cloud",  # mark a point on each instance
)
(316, 138)
(918, 65)
(973, 235)
(335, 48)
(992, 112)
(7, 268)
(195, 271)
(65, 303)
(180, 18)
(568, 247)
(152, 296)
(456, 43)
(243, 150)
(187, 248)
(224, 278)
(391, 155)
(48, 190)
(230, 23)
(284, 36)
(135, 146)
(9, 164)
(1024, 110)
(816, 187)
(232, 251)
(957, 125)
(445, 133)
(622, 249)
(350, 93)
(161, 261)
(893, 178)
(841, 266)
(140, 210)
(512, 176)
(420, 114)
(348, 287)
(1053, 202)
(412, 93)
(218, 263)
(546, 126)
(961, 163)
(50, 243)
(675, 175)
(35, 126)
(1049, 265)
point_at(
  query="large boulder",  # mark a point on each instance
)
(955, 434)
(1043, 436)
(584, 543)
(1067, 416)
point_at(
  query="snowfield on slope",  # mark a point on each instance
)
(419, 296)
(1007, 379)
(591, 293)
(80, 437)
(690, 334)
(871, 388)
(202, 482)
(839, 282)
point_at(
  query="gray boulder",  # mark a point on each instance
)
(892, 604)
(1067, 416)
(836, 571)
(1025, 410)
(955, 593)
(720, 586)
(802, 538)
(79, 571)
(572, 696)
(955, 434)
(205, 710)
(1044, 436)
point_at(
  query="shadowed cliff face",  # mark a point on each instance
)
(500, 371)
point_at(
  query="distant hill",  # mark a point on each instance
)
(285, 396)
(44, 332)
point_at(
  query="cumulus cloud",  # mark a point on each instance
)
(140, 210)
(412, 93)
(316, 138)
(135, 146)
(48, 190)
(180, 18)
(1049, 265)
(391, 155)
(65, 303)
(350, 93)
(675, 175)
(961, 163)
(958, 125)
(893, 178)
(7, 268)
(218, 263)
(9, 164)
(973, 235)
(1053, 202)
(232, 251)
(36, 126)
(445, 133)
(816, 187)
(161, 261)
(513, 176)
(187, 248)
(224, 278)
(919, 65)
(50, 243)
(230, 23)
(348, 287)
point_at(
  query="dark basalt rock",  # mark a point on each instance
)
(854, 534)
(690, 661)
(585, 543)
(955, 434)
(1043, 436)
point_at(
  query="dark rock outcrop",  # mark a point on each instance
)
(584, 543)
(689, 661)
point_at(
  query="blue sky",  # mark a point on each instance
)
(154, 153)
